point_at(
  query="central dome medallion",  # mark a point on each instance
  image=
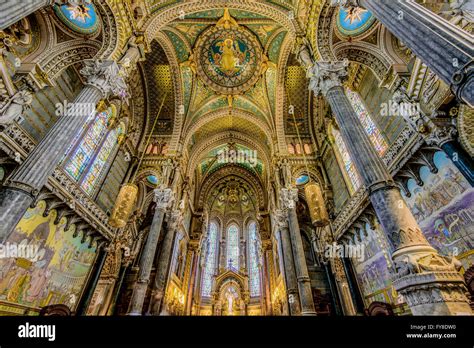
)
(229, 57)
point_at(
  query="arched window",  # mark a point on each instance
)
(254, 274)
(370, 127)
(232, 259)
(210, 261)
(87, 159)
(350, 172)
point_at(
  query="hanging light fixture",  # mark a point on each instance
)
(317, 208)
(128, 194)
(123, 205)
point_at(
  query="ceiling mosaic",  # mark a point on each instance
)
(79, 18)
(228, 60)
(159, 83)
(229, 57)
(231, 153)
(354, 21)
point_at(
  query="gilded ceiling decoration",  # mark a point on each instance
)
(229, 57)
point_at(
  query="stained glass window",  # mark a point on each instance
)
(345, 157)
(254, 274)
(91, 151)
(232, 259)
(372, 130)
(84, 153)
(210, 262)
(99, 164)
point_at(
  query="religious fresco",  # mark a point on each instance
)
(444, 209)
(80, 18)
(59, 269)
(374, 268)
(354, 21)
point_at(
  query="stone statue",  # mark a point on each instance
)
(15, 107)
(304, 55)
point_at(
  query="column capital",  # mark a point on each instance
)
(441, 135)
(164, 197)
(288, 197)
(326, 75)
(106, 76)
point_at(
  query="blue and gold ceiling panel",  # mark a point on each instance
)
(354, 21)
(79, 18)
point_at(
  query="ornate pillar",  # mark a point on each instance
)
(428, 281)
(281, 218)
(163, 198)
(13, 10)
(92, 280)
(288, 198)
(193, 248)
(222, 253)
(348, 273)
(266, 276)
(175, 220)
(446, 49)
(242, 265)
(343, 286)
(103, 79)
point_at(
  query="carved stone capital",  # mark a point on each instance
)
(164, 197)
(106, 76)
(288, 197)
(327, 75)
(441, 135)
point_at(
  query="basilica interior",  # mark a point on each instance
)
(236, 158)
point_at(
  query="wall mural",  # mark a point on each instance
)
(58, 270)
(374, 268)
(444, 209)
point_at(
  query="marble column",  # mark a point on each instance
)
(429, 282)
(193, 247)
(103, 79)
(348, 276)
(117, 289)
(14, 10)
(222, 254)
(92, 281)
(242, 264)
(281, 219)
(288, 198)
(266, 275)
(175, 219)
(445, 48)
(163, 199)
(336, 303)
